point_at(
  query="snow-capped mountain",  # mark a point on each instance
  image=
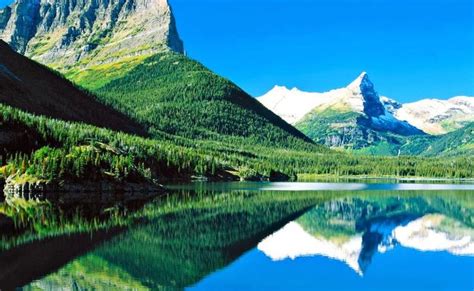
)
(356, 116)
(358, 97)
(351, 117)
(434, 116)
(292, 105)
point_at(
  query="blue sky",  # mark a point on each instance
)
(411, 48)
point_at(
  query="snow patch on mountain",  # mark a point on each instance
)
(435, 116)
(292, 105)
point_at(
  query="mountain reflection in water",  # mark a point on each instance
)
(348, 236)
(246, 239)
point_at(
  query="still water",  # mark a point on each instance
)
(268, 236)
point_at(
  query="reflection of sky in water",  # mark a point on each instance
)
(400, 269)
(305, 186)
(418, 241)
(360, 186)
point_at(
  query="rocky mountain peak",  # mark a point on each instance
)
(363, 87)
(85, 33)
(361, 80)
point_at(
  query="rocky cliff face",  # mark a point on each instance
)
(85, 33)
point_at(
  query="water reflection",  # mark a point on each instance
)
(353, 230)
(205, 241)
(385, 185)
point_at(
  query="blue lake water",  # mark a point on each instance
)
(269, 236)
(399, 269)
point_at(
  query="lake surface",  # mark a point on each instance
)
(268, 236)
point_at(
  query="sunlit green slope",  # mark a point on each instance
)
(171, 93)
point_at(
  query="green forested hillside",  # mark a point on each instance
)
(171, 93)
(457, 143)
(199, 124)
(64, 151)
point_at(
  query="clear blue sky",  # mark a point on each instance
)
(411, 48)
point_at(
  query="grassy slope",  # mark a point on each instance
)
(342, 129)
(320, 125)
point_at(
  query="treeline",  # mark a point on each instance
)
(64, 151)
(78, 151)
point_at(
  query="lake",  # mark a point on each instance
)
(266, 236)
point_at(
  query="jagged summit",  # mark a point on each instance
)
(362, 79)
(283, 89)
(85, 33)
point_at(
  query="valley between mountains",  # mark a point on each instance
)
(103, 92)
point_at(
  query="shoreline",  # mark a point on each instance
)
(319, 178)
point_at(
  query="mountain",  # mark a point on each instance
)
(180, 96)
(357, 118)
(129, 53)
(351, 117)
(434, 116)
(32, 87)
(77, 37)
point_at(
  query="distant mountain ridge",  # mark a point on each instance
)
(350, 117)
(359, 97)
(356, 117)
(434, 116)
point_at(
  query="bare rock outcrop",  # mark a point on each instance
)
(63, 33)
